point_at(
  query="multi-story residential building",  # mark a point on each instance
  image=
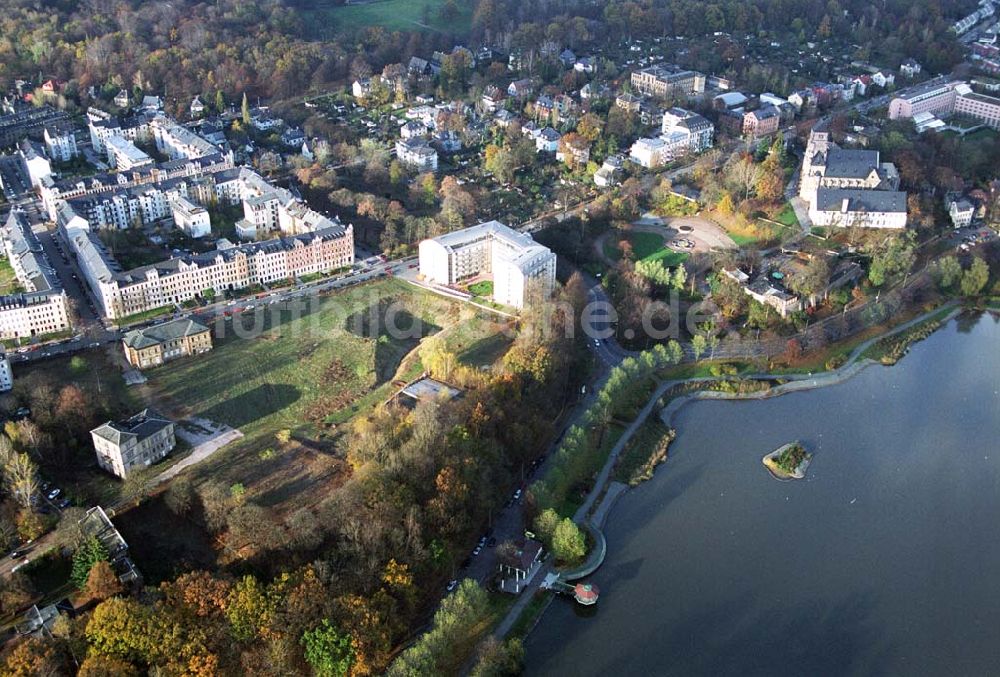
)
(630, 103)
(649, 153)
(123, 155)
(60, 142)
(34, 162)
(197, 108)
(686, 132)
(761, 122)
(21, 122)
(179, 142)
(610, 172)
(152, 346)
(573, 150)
(417, 154)
(936, 96)
(662, 82)
(137, 442)
(985, 109)
(191, 218)
(518, 265)
(103, 126)
(123, 293)
(42, 307)
(910, 68)
(547, 140)
(493, 98)
(6, 375)
(207, 173)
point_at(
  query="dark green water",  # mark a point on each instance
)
(885, 560)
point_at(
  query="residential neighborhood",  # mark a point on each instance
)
(327, 324)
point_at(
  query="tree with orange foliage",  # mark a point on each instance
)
(102, 582)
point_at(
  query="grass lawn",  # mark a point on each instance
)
(400, 15)
(293, 372)
(787, 216)
(980, 136)
(743, 240)
(645, 247)
(482, 288)
(307, 375)
(668, 257)
(8, 280)
(477, 339)
(144, 316)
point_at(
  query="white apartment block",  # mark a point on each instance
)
(134, 129)
(172, 139)
(42, 308)
(6, 375)
(686, 132)
(517, 264)
(123, 155)
(60, 144)
(191, 218)
(181, 279)
(649, 153)
(416, 154)
(208, 172)
(683, 132)
(34, 161)
(177, 141)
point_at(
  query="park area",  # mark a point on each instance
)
(290, 385)
(645, 246)
(328, 18)
(760, 232)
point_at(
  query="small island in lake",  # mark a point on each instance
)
(788, 462)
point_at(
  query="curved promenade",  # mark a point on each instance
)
(592, 518)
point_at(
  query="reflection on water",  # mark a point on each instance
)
(883, 560)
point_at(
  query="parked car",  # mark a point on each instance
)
(452, 585)
(54, 493)
(478, 550)
(517, 495)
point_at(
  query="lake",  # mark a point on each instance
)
(884, 560)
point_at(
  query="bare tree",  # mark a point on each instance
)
(21, 475)
(743, 173)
